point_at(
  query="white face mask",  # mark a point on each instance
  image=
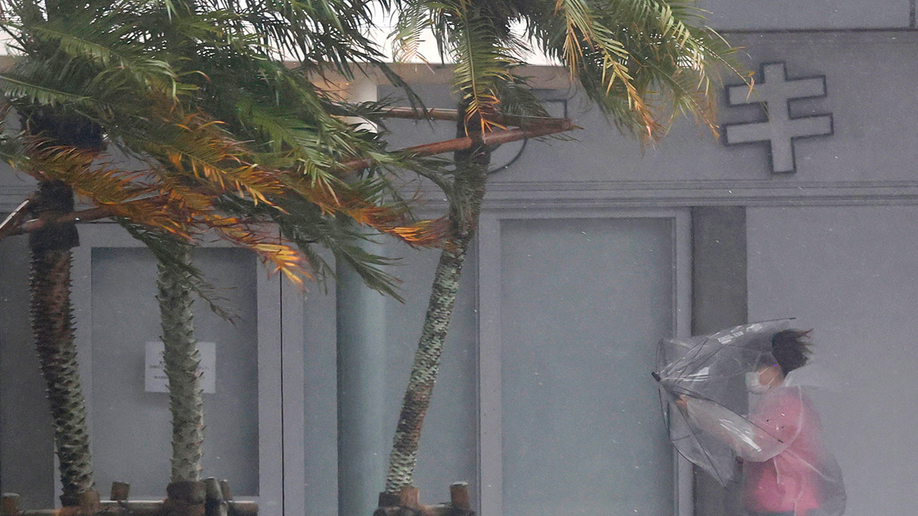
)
(753, 384)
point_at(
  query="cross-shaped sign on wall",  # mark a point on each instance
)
(774, 93)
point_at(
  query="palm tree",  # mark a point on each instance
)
(50, 308)
(51, 317)
(641, 61)
(182, 366)
(224, 138)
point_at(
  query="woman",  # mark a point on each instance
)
(787, 470)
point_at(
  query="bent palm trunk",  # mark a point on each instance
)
(467, 193)
(52, 327)
(182, 365)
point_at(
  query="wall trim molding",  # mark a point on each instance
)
(652, 194)
(679, 194)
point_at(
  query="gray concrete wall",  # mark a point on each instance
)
(449, 445)
(809, 14)
(833, 244)
(26, 439)
(128, 421)
(874, 126)
(719, 300)
(870, 154)
(718, 268)
(850, 274)
(860, 179)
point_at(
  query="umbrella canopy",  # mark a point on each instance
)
(712, 370)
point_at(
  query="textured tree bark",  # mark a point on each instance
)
(52, 327)
(468, 190)
(182, 366)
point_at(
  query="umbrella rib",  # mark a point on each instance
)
(707, 456)
(681, 371)
(685, 358)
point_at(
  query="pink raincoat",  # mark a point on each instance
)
(786, 466)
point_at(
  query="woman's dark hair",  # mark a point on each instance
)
(791, 349)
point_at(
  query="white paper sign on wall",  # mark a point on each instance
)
(154, 368)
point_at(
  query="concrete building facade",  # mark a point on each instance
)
(589, 252)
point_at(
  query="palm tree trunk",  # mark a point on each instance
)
(52, 327)
(182, 365)
(468, 190)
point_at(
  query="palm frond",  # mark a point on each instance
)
(483, 61)
(413, 20)
(110, 47)
(15, 87)
(641, 61)
(225, 137)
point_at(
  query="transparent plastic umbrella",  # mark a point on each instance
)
(711, 371)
